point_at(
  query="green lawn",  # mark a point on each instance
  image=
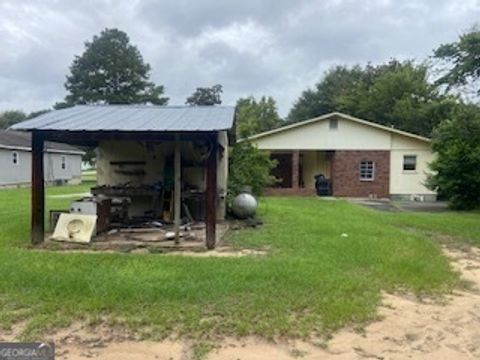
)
(89, 175)
(314, 280)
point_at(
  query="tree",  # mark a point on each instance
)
(456, 167)
(248, 166)
(255, 116)
(394, 94)
(323, 99)
(206, 96)
(11, 117)
(111, 71)
(34, 114)
(398, 94)
(464, 58)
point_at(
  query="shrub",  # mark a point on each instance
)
(457, 166)
(248, 166)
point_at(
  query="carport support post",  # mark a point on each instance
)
(38, 190)
(211, 196)
(177, 189)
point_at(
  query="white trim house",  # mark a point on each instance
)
(358, 158)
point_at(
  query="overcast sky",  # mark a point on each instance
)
(251, 47)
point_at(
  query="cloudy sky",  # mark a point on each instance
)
(251, 47)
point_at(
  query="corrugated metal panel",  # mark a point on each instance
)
(133, 118)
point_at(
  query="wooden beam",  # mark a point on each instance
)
(177, 190)
(211, 196)
(93, 137)
(38, 190)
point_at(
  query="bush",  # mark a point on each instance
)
(457, 166)
(248, 166)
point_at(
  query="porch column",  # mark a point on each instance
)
(295, 169)
(211, 193)
(38, 190)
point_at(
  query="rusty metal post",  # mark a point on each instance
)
(38, 190)
(211, 193)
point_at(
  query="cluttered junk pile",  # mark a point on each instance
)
(116, 213)
(112, 218)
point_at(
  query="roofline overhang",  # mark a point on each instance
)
(341, 115)
(28, 149)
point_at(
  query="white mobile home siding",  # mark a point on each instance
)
(20, 173)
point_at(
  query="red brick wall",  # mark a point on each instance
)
(295, 169)
(346, 174)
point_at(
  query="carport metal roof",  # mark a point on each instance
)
(133, 118)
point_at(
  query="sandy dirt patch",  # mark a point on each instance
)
(409, 329)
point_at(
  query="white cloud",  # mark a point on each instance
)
(244, 37)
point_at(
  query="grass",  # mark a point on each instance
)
(463, 227)
(314, 280)
(89, 175)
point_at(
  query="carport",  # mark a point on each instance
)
(165, 127)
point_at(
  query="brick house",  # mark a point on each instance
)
(358, 158)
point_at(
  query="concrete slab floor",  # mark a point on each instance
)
(151, 240)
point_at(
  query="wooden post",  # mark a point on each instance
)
(211, 216)
(38, 190)
(177, 190)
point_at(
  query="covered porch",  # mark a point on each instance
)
(297, 171)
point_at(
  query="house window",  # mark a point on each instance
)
(367, 170)
(409, 162)
(333, 124)
(64, 162)
(15, 158)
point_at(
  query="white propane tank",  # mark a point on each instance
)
(244, 206)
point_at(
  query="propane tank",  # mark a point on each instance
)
(244, 205)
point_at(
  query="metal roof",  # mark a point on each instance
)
(20, 140)
(133, 118)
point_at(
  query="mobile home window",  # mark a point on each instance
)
(15, 158)
(410, 162)
(333, 124)
(367, 170)
(64, 162)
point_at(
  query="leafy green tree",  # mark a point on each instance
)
(206, 96)
(456, 167)
(398, 94)
(394, 94)
(37, 113)
(463, 56)
(255, 116)
(11, 117)
(248, 166)
(323, 98)
(112, 71)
